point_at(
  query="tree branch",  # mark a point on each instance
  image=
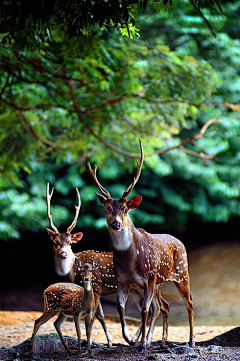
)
(136, 155)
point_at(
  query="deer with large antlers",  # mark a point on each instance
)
(104, 281)
(141, 259)
(71, 301)
(67, 263)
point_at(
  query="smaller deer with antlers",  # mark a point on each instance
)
(71, 301)
(141, 259)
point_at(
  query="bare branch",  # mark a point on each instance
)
(135, 155)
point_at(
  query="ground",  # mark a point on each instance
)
(16, 327)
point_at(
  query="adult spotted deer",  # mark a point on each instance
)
(141, 259)
(104, 281)
(71, 301)
(67, 263)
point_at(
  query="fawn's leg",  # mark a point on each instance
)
(40, 321)
(61, 318)
(77, 325)
(88, 325)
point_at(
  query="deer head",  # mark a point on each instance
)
(62, 241)
(117, 210)
(86, 271)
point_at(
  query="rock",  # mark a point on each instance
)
(230, 338)
(183, 350)
(214, 349)
(47, 343)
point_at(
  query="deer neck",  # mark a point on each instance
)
(88, 292)
(64, 267)
(122, 240)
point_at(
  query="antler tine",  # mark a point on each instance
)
(70, 228)
(49, 197)
(139, 168)
(94, 176)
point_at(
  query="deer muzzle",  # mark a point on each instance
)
(116, 225)
(63, 255)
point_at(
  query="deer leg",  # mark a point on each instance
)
(155, 313)
(145, 309)
(184, 288)
(164, 306)
(57, 324)
(100, 317)
(122, 295)
(39, 322)
(77, 325)
(88, 325)
(138, 299)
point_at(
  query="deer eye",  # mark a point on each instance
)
(105, 211)
(125, 210)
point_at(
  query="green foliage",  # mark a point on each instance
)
(31, 25)
(79, 100)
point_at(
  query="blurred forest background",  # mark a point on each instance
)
(69, 100)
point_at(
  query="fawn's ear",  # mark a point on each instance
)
(76, 237)
(101, 198)
(51, 234)
(95, 263)
(78, 263)
(134, 202)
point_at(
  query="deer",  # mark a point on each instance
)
(66, 263)
(141, 259)
(70, 300)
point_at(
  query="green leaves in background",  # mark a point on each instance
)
(79, 100)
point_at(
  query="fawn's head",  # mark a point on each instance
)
(86, 270)
(63, 241)
(116, 210)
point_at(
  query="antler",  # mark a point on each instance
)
(49, 196)
(135, 179)
(94, 176)
(70, 228)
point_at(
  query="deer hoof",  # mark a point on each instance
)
(192, 342)
(143, 348)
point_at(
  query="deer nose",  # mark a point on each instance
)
(116, 225)
(63, 255)
(86, 279)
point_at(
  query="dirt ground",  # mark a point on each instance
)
(16, 327)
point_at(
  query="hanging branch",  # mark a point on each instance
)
(136, 155)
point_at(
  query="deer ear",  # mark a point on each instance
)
(95, 263)
(101, 198)
(51, 234)
(76, 237)
(134, 202)
(78, 263)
